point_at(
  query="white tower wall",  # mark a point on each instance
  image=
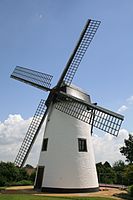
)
(65, 168)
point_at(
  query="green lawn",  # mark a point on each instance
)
(32, 197)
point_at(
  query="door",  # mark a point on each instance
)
(39, 177)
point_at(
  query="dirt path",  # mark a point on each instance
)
(104, 192)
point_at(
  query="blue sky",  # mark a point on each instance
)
(41, 34)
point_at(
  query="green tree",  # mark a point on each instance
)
(128, 174)
(107, 164)
(127, 150)
(105, 173)
(9, 174)
(100, 172)
(119, 167)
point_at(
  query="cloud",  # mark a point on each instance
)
(126, 106)
(13, 130)
(106, 146)
(122, 109)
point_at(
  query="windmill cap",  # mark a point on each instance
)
(76, 92)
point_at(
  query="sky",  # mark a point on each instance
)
(40, 35)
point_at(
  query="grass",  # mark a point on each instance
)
(2, 188)
(32, 197)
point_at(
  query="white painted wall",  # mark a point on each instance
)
(65, 166)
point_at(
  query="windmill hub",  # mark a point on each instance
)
(66, 162)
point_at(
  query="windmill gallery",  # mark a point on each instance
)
(66, 162)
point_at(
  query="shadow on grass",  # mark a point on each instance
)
(123, 196)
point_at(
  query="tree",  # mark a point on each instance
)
(127, 150)
(119, 167)
(100, 172)
(9, 174)
(105, 173)
(128, 174)
(107, 164)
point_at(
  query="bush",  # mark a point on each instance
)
(24, 182)
(20, 183)
(3, 181)
(10, 174)
(130, 190)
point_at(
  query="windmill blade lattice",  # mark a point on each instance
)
(79, 51)
(96, 116)
(32, 77)
(31, 134)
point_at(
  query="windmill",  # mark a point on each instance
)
(66, 162)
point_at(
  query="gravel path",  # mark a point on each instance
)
(104, 192)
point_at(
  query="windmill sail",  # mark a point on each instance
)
(32, 77)
(97, 116)
(31, 134)
(79, 51)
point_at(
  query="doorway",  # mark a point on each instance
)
(39, 177)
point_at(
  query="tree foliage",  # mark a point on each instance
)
(127, 150)
(128, 174)
(130, 191)
(105, 173)
(10, 174)
(119, 173)
(119, 168)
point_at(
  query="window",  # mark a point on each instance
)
(45, 144)
(82, 145)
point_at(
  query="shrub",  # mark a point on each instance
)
(24, 182)
(2, 181)
(20, 183)
(130, 190)
(9, 174)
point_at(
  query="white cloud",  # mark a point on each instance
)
(122, 109)
(106, 146)
(13, 130)
(128, 103)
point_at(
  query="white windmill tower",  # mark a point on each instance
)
(66, 162)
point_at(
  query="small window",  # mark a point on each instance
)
(82, 145)
(45, 144)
